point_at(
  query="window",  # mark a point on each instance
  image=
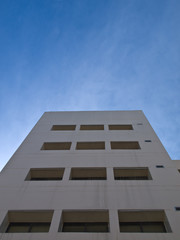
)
(63, 127)
(92, 127)
(159, 166)
(90, 145)
(27, 227)
(143, 221)
(45, 174)
(27, 221)
(143, 227)
(147, 140)
(88, 174)
(56, 146)
(125, 145)
(141, 173)
(85, 227)
(84, 221)
(121, 127)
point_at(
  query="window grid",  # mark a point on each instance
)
(28, 227)
(92, 127)
(88, 173)
(85, 227)
(96, 221)
(142, 227)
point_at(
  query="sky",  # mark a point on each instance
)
(76, 55)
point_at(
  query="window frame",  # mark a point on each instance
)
(86, 226)
(56, 146)
(90, 145)
(63, 127)
(88, 173)
(91, 127)
(132, 173)
(120, 127)
(45, 174)
(84, 218)
(27, 218)
(143, 216)
(142, 225)
(125, 145)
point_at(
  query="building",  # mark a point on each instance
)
(90, 175)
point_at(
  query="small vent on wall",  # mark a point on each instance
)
(177, 208)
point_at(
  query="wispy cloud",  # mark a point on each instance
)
(81, 55)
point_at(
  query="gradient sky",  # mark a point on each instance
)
(63, 55)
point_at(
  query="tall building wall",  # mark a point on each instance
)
(146, 188)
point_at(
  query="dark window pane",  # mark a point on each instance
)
(92, 127)
(96, 227)
(40, 227)
(85, 227)
(28, 227)
(142, 227)
(17, 228)
(153, 227)
(90, 145)
(63, 127)
(130, 227)
(120, 127)
(73, 227)
(124, 145)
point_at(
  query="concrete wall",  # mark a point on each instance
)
(162, 192)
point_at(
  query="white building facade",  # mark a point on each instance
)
(90, 175)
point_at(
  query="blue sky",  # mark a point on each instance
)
(62, 55)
